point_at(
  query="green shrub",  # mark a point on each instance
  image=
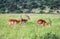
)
(49, 36)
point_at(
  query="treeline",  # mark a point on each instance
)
(29, 6)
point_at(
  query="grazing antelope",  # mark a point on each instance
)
(43, 22)
(13, 21)
(24, 20)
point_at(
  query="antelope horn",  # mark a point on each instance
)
(50, 21)
(27, 16)
(20, 16)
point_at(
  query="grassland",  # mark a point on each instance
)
(28, 30)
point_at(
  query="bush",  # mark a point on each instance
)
(42, 12)
(49, 36)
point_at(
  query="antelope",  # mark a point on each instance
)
(43, 22)
(24, 20)
(13, 21)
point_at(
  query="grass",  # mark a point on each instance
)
(28, 30)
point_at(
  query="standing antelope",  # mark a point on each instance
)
(43, 22)
(14, 21)
(24, 20)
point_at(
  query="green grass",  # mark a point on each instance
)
(28, 30)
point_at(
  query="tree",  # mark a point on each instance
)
(34, 5)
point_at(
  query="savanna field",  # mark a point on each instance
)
(30, 30)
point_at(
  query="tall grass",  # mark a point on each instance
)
(28, 30)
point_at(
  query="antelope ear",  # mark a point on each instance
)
(21, 16)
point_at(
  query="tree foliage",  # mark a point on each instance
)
(19, 5)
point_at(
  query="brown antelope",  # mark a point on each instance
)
(13, 21)
(43, 22)
(24, 20)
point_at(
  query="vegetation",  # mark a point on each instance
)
(18, 6)
(30, 30)
(49, 36)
